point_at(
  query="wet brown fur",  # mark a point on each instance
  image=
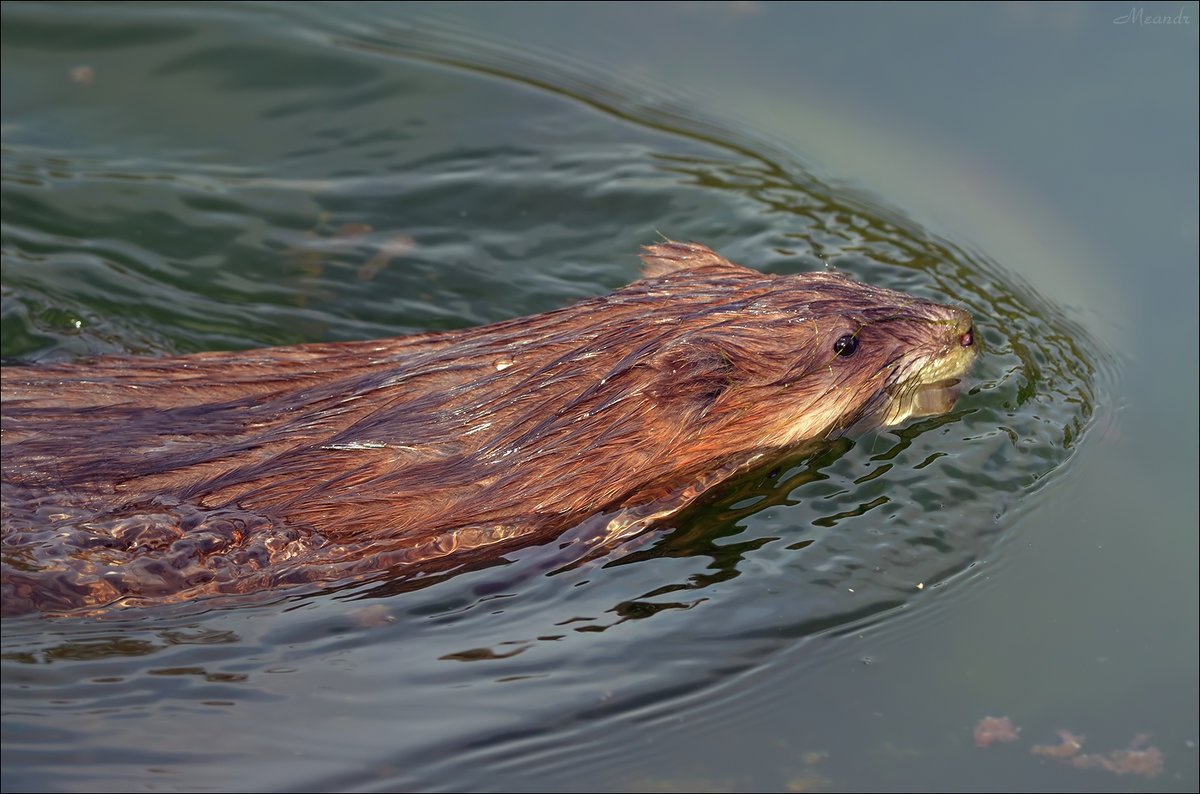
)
(159, 479)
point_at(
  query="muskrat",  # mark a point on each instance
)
(139, 480)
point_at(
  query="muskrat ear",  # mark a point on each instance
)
(668, 257)
(693, 370)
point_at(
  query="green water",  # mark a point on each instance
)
(199, 177)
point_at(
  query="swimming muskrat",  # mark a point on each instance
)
(137, 480)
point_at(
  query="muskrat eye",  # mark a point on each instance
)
(845, 345)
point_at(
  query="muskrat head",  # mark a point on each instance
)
(794, 358)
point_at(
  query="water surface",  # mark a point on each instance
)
(184, 178)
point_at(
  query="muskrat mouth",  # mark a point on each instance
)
(906, 401)
(909, 400)
(931, 399)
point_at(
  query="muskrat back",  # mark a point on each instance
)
(137, 480)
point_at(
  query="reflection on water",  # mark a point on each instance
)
(460, 188)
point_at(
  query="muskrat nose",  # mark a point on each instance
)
(968, 338)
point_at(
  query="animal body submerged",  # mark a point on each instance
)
(137, 480)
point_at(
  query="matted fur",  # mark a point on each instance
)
(137, 480)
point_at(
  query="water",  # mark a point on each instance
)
(186, 178)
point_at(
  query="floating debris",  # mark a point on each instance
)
(1136, 759)
(1067, 747)
(1133, 760)
(995, 729)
